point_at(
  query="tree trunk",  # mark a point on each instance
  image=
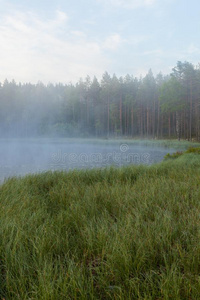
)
(169, 124)
(178, 125)
(120, 114)
(158, 122)
(132, 120)
(108, 117)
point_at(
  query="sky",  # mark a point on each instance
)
(63, 40)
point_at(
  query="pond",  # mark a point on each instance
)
(20, 157)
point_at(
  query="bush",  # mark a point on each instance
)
(193, 150)
(173, 155)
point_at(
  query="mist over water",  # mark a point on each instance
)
(24, 156)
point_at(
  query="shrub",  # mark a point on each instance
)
(193, 150)
(173, 155)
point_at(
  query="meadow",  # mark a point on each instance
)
(113, 233)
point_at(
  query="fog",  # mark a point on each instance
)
(47, 127)
(24, 156)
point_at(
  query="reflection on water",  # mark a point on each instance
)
(20, 157)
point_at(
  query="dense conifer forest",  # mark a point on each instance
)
(153, 106)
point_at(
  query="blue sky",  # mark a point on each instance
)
(61, 41)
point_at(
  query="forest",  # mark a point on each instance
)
(161, 106)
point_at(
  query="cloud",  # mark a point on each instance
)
(129, 4)
(192, 49)
(35, 49)
(153, 52)
(112, 42)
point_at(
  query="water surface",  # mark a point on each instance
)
(20, 157)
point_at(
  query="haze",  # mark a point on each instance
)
(100, 69)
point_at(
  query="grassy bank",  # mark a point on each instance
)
(130, 233)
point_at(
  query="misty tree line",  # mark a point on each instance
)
(157, 107)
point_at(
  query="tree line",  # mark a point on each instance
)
(146, 107)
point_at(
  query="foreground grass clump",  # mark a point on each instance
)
(130, 233)
(194, 150)
(173, 155)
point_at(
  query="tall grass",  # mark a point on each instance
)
(129, 233)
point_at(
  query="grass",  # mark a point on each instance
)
(129, 233)
(175, 155)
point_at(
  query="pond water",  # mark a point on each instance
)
(20, 157)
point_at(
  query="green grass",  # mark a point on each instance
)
(129, 233)
(175, 155)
